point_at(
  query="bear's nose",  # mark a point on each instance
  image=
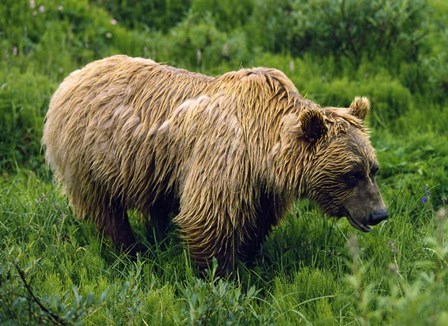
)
(378, 216)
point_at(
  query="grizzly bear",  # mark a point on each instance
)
(224, 156)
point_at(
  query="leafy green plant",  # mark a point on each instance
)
(217, 301)
(342, 28)
(159, 14)
(23, 101)
(198, 42)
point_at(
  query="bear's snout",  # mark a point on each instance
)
(377, 216)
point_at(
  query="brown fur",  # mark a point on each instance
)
(228, 155)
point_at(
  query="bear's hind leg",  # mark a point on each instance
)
(112, 220)
(160, 215)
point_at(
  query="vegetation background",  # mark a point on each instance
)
(312, 270)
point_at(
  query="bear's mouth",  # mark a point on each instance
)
(357, 225)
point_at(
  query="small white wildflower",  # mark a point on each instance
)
(225, 50)
(109, 35)
(41, 9)
(32, 4)
(393, 268)
(291, 65)
(442, 214)
(353, 246)
(113, 21)
(199, 56)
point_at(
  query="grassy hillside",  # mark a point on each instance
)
(312, 270)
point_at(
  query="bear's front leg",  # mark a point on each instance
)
(211, 223)
(207, 237)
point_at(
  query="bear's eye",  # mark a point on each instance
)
(353, 177)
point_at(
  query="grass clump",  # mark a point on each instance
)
(311, 269)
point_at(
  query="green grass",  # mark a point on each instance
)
(311, 269)
(56, 269)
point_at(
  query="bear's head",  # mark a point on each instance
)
(338, 163)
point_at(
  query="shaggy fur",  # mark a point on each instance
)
(226, 155)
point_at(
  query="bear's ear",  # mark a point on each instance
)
(312, 125)
(360, 107)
